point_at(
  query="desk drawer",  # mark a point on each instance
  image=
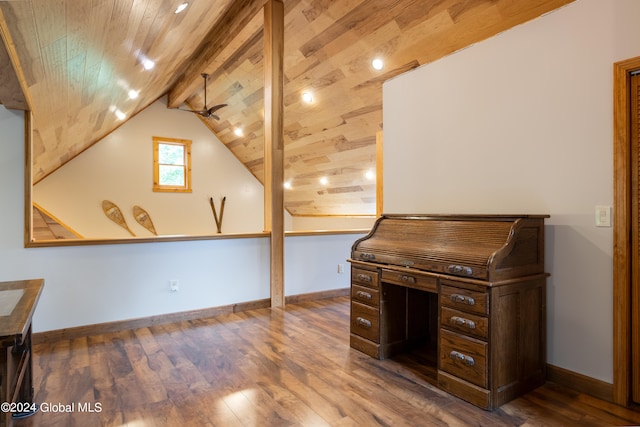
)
(463, 357)
(365, 295)
(364, 277)
(365, 321)
(465, 323)
(411, 280)
(464, 299)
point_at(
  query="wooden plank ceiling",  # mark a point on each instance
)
(75, 61)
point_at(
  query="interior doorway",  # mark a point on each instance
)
(635, 235)
(626, 233)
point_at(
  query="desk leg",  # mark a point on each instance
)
(4, 389)
(23, 391)
(25, 380)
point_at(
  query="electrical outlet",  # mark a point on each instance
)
(174, 285)
(340, 268)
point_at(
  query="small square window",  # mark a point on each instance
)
(171, 164)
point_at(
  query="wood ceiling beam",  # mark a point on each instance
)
(236, 17)
(13, 88)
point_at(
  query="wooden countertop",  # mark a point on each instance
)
(18, 300)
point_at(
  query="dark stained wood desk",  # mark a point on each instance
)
(18, 300)
(467, 293)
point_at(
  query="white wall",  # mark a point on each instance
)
(522, 123)
(93, 284)
(303, 274)
(119, 168)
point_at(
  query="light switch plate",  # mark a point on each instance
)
(603, 216)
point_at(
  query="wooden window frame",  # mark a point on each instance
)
(186, 143)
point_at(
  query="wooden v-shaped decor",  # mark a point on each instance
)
(215, 214)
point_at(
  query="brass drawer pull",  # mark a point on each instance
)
(461, 321)
(462, 299)
(460, 269)
(405, 278)
(363, 322)
(364, 277)
(363, 295)
(467, 360)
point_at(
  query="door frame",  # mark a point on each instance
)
(622, 230)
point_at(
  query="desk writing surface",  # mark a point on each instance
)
(8, 300)
(18, 300)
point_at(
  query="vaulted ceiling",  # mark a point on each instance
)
(74, 62)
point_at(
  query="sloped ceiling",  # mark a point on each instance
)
(75, 61)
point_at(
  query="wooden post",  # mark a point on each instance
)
(28, 178)
(274, 143)
(379, 175)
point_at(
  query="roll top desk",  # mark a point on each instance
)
(467, 291)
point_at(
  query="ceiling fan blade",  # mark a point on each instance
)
(191, 111)
(217, 107)
(209, 115)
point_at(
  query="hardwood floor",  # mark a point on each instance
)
(264, 367)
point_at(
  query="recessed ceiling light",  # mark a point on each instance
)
(324, 180)
(180, 8)
(133, 94)
(307, 97)
(120, 115)
(148, 64)
(287, 185)
(377, 64)
(370, 175)
(238, 132)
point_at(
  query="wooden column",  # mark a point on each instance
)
(274, 143)
(28, 178)
(379, 173)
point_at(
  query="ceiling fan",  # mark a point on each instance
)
(206, 112)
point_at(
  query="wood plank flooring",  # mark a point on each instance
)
(263, 367)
